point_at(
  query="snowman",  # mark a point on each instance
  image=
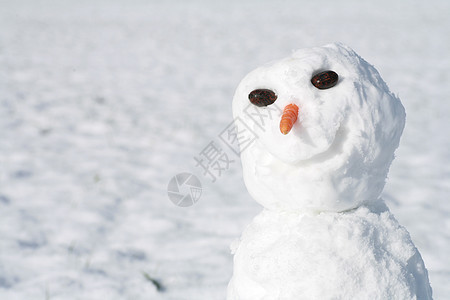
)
(318, 165)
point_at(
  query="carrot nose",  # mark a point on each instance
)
(288, 119)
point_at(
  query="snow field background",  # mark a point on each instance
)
(102, 103)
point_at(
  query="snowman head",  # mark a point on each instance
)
(323, 127)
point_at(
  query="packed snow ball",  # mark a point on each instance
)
(338, 153)
(324, 127)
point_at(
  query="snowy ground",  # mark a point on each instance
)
(102, 103)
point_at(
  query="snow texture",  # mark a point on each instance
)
(103, 102)
(359, 254)
(352, 255)
(338, 153)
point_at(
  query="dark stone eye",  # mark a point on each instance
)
(325, 80)
(262, 97)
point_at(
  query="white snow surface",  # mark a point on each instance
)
(351, 252)
(338, 153)
(102, 103)
(359, 254)
(354, 251)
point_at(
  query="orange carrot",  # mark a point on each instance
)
(289, 117)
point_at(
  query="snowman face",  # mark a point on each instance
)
(321, 107)
(324, 108)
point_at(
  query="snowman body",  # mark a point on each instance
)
(360, 254)
(324, 233)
